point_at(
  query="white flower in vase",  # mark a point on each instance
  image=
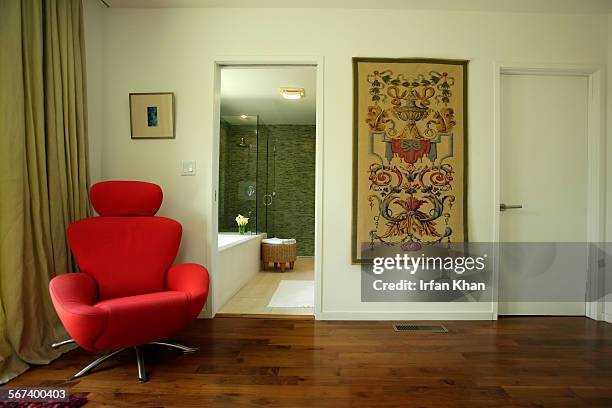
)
(242, 222)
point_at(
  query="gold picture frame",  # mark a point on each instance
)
(152, 115)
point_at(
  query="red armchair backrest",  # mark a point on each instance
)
(126, 250)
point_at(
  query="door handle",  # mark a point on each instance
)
(504, 207)
(266, 197)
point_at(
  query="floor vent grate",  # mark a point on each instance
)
(403, 327)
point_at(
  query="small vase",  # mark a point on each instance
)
(242, 229)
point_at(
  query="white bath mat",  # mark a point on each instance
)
(293, 293)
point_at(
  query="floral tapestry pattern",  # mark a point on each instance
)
(409, 154)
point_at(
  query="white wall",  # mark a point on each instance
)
(94, 20)
(174, 49)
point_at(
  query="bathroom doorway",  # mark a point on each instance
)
(266, 190)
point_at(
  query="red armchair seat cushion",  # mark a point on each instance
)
(134, 320)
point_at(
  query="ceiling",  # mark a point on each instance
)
(255, 91)
(520, 6)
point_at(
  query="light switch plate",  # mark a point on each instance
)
(188, 168)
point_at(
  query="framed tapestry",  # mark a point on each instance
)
(152, 115)
(409, 154)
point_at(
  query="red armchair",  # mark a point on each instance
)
(128, 292)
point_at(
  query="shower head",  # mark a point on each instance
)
(242, 143)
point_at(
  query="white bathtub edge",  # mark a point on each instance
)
(245, 239)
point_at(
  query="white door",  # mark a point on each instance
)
(544, 169)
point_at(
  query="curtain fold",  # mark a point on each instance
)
(43, 170)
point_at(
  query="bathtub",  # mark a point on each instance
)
(239, 261)
(226, 241)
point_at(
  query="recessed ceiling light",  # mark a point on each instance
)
(292, 93)
(243, 116)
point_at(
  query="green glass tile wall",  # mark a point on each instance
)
(237, 176)
(286, 167)
(291, 214)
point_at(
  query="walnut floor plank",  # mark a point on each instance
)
(514, 362)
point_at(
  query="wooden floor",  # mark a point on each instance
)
(515, 362)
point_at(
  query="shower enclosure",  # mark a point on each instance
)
(247, 165)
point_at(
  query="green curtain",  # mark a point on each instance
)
(43, 170)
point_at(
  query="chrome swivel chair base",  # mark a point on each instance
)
(142, 374)
(184, 349)
(87, 369)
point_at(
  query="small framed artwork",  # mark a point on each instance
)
(152, 115)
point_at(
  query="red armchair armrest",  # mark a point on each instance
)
(193, 280)
(73, 295)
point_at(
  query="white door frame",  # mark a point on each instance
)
(595, 161)
(218, 63)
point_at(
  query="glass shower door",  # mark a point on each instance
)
(266, 181)
(247, 175)
(272, 195)
(238, 162)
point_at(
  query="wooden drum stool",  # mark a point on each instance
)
(279, 251)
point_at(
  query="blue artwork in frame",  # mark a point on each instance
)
(152, 115)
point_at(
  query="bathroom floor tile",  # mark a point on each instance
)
(254, 297)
